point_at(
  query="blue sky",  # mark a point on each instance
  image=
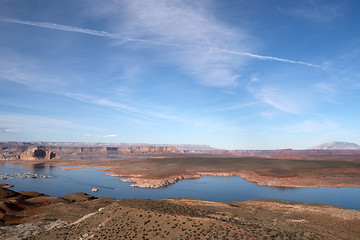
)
(230, 74)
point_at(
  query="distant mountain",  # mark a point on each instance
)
(337, 146)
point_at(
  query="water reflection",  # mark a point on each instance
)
(285, 188)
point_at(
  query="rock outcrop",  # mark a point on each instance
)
(35, 153)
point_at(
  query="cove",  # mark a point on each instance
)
(223, 189)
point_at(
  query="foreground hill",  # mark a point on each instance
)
(337, 146)
(80, 216)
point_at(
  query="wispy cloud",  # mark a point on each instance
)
(27, 122)
(311, 126)
(109, 136)
(141, 111)
(193, 38)
(108, 103)
(26, 71)
(232, 107)
(325, 87)
(282, 99)
(8, 130)
(326, 90)
(322, 11)
(102, 136)
(23, 71)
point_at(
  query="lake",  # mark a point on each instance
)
(223, 189)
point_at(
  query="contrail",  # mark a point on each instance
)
(112, 35)
(75, 29)
(268, 57)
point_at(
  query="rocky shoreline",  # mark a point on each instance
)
(23, 176)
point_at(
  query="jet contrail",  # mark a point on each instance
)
(74, 29)
(112, 35)
(268, 57)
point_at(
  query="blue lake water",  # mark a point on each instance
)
(224, 189)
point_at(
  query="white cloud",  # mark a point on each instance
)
(8, 130)
(104, 136)
(109, 136)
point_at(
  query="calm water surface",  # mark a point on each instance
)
(224, 189)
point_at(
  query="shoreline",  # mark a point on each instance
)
(338, 177)
(250, 176)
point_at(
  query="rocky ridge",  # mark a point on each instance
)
(25, 152)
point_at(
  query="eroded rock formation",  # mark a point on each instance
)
(35, 153)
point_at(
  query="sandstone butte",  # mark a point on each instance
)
(36, 153)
